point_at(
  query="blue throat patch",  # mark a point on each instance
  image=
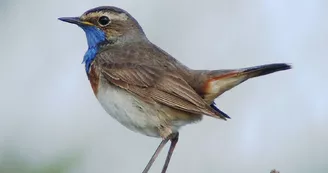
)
(94, 36)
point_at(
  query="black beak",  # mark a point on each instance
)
(74, 20)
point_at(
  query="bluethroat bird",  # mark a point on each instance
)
(143, 87)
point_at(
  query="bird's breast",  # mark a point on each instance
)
(128, 110)
(93, 76)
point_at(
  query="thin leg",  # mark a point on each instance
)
(174, 142)
(153, 158)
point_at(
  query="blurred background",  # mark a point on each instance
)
(50, 121)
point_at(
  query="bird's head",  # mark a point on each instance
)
(107, 24)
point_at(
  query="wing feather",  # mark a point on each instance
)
(156, 85)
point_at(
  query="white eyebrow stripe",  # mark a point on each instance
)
(112, 16)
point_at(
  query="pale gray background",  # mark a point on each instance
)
(49, 115)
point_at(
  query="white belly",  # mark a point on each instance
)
(129, 111)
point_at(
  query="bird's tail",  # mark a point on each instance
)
(219, 81)
(265, 69)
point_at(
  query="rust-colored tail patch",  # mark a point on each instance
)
(220, 81)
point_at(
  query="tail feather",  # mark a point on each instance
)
(222, 80)
(219, 81)
(265, 69)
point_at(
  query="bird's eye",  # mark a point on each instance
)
(103, 20)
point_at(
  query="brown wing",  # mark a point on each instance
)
(156, 85)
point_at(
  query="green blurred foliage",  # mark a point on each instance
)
(12, 162)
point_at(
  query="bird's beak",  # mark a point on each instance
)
(75, 20)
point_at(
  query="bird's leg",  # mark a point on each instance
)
(174, 141)
(158, 150)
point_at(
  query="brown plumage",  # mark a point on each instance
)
(145, 88)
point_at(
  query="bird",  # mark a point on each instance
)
(145, 88)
